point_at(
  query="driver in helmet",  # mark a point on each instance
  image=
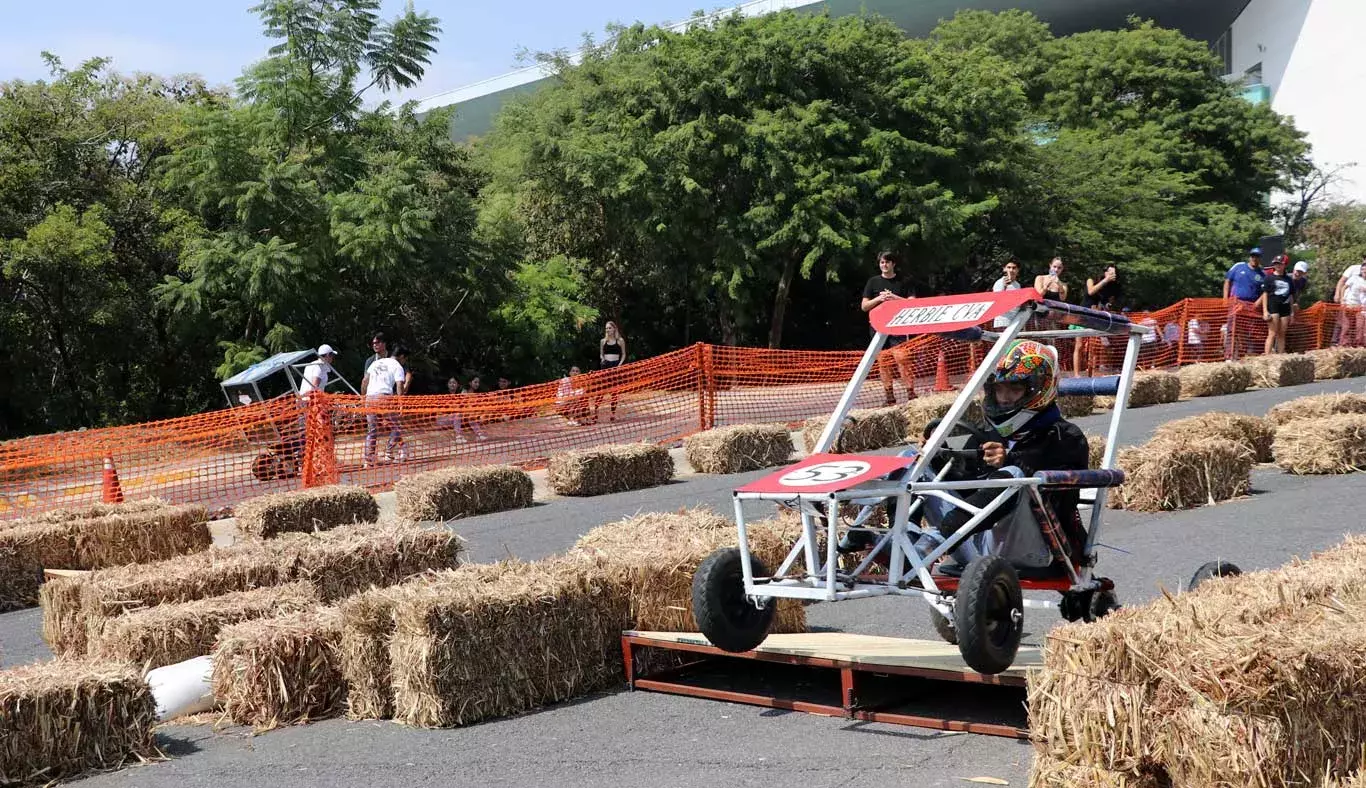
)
(1020, 404)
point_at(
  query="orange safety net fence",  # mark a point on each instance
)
(221, 458)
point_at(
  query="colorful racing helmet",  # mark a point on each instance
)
(1033, 364)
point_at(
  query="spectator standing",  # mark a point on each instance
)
(1348, 318)
(1354, 299)
(877, 291)
(1009, 280)
(1102, 292)
(1050, 285)
(1277, 302)
(383, 379)
(317, 374)
(1242, 285)
(474, 423)
(570, 401)
(611, 354)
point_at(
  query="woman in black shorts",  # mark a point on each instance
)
(611, 354)
(1278, 303)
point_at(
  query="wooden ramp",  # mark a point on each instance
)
(923, 683)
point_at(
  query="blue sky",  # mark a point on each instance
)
(219, 37)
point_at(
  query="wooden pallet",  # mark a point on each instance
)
(922, 683)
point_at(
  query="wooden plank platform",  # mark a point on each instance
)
(923, 683)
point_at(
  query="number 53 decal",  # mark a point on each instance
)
(824, 473)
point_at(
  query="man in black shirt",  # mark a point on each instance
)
(880, 289)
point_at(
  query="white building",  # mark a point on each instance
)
(1301, 55)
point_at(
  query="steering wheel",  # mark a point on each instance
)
(963, 444)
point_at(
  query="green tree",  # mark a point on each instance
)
(84, 235)
(320, 219)
(705, 172)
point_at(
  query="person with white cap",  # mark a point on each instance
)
(317, 374)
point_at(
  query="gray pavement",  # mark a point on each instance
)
(620, 738)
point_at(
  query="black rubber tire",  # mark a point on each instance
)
(943, 627)
(723, 613)
(1103, 603)
(1213, 569)
(988, 611)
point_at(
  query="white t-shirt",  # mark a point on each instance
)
(1003, 320)
(1354, 294)
(317, 370)
(1351, 271)
(385, 374)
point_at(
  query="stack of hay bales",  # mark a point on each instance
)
(1182, 472)
(336, 563)
(1254, 432)
(451, 493)
(864, 430)
(1244, 681)
(465, 652)
(1316, 406)
(174, 632)
(307, 510)
(1214, 379)
(1280, 369)
(367, 630)
(737, 449)
(86, 541)
(1331, 444)
(1338, 362)
(922, 410)
(65, 717)
(1151, 387)
(650, 559)
(280, 670)
(610, 469)
(1074, 407)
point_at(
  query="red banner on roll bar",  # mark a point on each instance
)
(944, 314)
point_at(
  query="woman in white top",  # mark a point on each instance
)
(1354, 305)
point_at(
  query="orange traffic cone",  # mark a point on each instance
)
(941, 374)
(113, 493)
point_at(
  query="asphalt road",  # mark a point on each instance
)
(622, 738)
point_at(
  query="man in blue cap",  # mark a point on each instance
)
(1243, 282)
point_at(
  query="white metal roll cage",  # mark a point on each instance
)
(909, 571)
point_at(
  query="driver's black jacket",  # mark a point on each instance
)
(1061, 446)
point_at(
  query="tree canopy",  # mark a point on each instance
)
(731, 183)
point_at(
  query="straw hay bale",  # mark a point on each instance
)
(650, 560)
(280, 670)
(1333, 444)
(367, 627)
(1078, 719)
(864, 430)
(353, 558)
(1338, 362)
(924, 409)
(537, 634)
(1214, 379)
(451, 493)
(610, 469)
(1047, 772)
(140, 536)
(1095, 445)
(65, 717)
(1316, 407)
(737, 449)
(174, 632)
(87, 512)
(307, 510)
(1182, 472)
(1074, 407)
(1280, 369)
(1254, 432)
(338, 563)
(94, 542)
(1151, 387)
